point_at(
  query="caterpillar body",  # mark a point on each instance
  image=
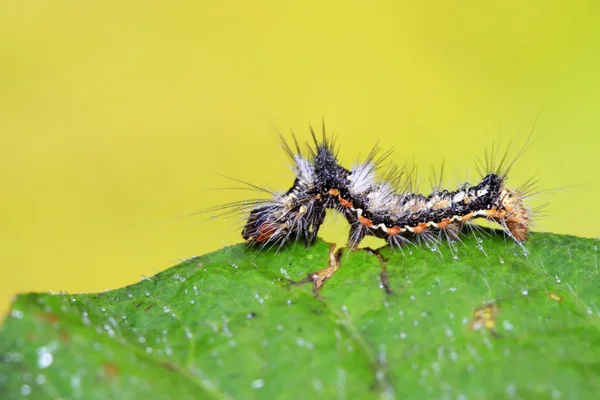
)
(382, 208)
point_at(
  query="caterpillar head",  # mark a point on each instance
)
(514, 214)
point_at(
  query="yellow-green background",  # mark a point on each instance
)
(118, 115)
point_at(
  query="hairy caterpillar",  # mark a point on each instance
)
(384, 208)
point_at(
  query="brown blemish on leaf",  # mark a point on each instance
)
(555, 296)
(64, 336)
(319, 277)
(110, 370)
(47, 316)
(484, 317)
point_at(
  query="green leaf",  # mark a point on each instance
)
(493, 321)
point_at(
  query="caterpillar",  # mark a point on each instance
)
(384, 208)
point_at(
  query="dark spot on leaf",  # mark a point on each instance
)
(169, 366)
(316, 311)
(251, 315)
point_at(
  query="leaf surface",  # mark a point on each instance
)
(488, 320)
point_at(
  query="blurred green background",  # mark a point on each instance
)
(117, 116)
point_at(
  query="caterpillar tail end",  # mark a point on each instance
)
(259, 229)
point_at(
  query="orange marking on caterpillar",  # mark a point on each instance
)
(345, 203)
(443, 224)
(467, 217)
(394, 230)
(265, 231)
(495, 213)
(420, 228)
(365, 221)
(334, 192)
